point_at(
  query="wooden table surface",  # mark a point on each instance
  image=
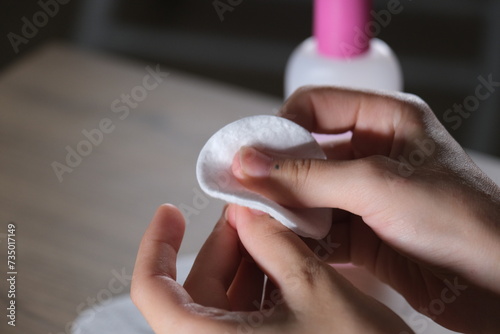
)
(77, 235)
(77, 239)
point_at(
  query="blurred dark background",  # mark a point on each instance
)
(443, 46)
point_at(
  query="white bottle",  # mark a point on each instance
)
(342, 52)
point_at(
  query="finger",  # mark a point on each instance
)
(281, 254)
(215, 267)
(245, 292)
(361, 186)
(373, 118)
(335, 247)
(373, 188)
(154, 289)
(337, 109)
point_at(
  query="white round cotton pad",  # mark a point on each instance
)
(273, 135)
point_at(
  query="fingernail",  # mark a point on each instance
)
(254, 163)
(257, 212)
(236, 167)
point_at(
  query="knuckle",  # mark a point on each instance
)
(298, 172)
(375, 166)
(310, 272)
(378, 167)
(386, 175)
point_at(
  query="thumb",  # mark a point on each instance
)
(359, 186)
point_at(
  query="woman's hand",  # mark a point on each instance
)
(410, 205)
(223, 291)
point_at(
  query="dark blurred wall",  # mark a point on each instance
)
(59, 23)
(445, 46)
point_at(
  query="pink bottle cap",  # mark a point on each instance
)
(340, 27)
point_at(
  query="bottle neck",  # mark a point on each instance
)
(341, 27)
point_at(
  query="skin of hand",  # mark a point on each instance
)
(408, 203)
(223, 291)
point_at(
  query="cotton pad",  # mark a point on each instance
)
(275, 136)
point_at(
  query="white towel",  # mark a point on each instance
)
(275, 136)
